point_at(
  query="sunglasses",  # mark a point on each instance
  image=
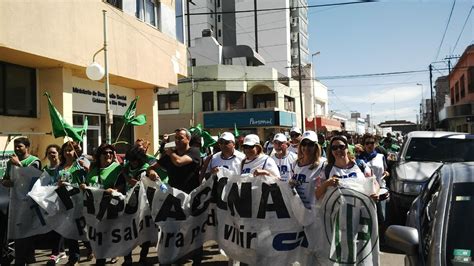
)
(224, 142)
(338, 147)
(369, 142)
(248, 146)
(308, 143)
(107, 152)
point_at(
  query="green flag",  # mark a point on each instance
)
(236, 131)
(60, 127)
(129, 116)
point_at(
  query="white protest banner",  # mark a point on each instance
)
(63, 206)
(25, 217)
(346, 225)
(185, 221)
(115, 224)
(257, 221)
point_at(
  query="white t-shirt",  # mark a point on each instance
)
(285, 165)
(378, 166)
(293, 148)
(353, 172)
(307, 179)
(264, 162)
(234, 163)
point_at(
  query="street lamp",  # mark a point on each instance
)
(95, 72)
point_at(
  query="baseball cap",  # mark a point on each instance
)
(296, 130)
(251, 140)
(280, 137)
(310, 135)
(227, 136)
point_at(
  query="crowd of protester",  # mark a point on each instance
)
(309, 162)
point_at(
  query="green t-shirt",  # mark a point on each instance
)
(105, 177)
(76, 173)
(28, 161)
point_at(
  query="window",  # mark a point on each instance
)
(218, 18)
(452, 95)
(211, 13)
(289, 103)
(193, 61)
(218, 3)
(168, 101)
(179, 21)
(219, 33)
(230, 100)
(146, 11)
(470, 80)
(207, 101)
(227, 61)
(264, 100)
(17, 90)
(115, 3)
(462, 87)
(456, 88)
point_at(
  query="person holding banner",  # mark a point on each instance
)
(24, 248)
(228, 157)
(256, 162)
(73, 170)
(182, 164)
(284, 158)
(340, 165)
(104, 174)
(52, 154)
(133, 170)
(308, 168)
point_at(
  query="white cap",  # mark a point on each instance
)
(227, 136)
(251, 140)
(296, 130)
(280, 137)
(310, 135)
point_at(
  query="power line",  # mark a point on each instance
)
(279, 8)
(465, 22)
(445, 30)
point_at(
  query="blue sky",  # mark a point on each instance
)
(379, 37)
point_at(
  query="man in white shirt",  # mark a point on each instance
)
(228, 157)
(295, 135)
(284, 158)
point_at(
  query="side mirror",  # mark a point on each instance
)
(403, 238)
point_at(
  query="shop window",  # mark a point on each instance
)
(230, 100)
(289, 103)
(207, 101)
(168, 101)
(17, 90)
(264, 100)
(462, 87)
(115, 3)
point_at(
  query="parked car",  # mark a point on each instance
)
(421, 154)
(439, 229)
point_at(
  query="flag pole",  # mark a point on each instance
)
(120, 133)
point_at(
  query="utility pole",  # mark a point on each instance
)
(108, 113)
(299, 83)
(433, 125)
(256, 24)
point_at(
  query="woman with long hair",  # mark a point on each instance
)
(308, 168)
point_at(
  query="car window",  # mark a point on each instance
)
(460, 234)
(428, 213)
(440, 150)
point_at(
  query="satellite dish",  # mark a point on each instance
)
(95, 71)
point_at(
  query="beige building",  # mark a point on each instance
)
(45, 46)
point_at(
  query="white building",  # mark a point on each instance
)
(272, 34)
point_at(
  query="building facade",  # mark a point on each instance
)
(272, 34)
(49, 49)
(459, 115)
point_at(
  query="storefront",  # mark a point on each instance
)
(88, 100)
(262, 123)
(323, 124)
